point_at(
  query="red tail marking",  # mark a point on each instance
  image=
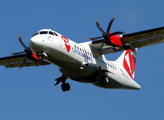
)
(129, 62)
(132, 63)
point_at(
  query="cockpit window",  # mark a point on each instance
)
(55, 34)
(35, 34)
(51, 33)
(43, 32)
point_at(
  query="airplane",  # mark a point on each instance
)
(85, 62)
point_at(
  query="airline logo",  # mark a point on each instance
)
(129, 62)
(66, 42)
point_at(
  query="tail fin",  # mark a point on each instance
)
(127, 61)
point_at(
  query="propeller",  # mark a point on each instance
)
(106, 35)
(28, 52)
(17, 53)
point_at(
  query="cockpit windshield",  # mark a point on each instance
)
(35, 34)
(43, 32)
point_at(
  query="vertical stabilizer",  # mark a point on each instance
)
(127, 61)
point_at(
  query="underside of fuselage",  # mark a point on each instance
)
(74, 69)
(96, 78)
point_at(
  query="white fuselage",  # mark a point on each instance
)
(79, 62)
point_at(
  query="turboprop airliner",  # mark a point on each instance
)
(85, 62)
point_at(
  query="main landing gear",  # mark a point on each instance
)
(104, 79)
(65, 86)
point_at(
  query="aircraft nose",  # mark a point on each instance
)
(35, 44)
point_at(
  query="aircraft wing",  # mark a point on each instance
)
(134, 40)
(17, 60)
(144, 38)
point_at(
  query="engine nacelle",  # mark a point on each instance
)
(115, 39)
(35, 57)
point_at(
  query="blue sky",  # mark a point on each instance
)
(29, 94)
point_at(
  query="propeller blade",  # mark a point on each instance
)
(23, 63)
(100, 48)
(94, 38)
(106, 35)
(20, 40)
(35, 62)
(17, 53)
(100, 27)
(98, 41)
(109, 26)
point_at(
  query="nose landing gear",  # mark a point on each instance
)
(65, 86)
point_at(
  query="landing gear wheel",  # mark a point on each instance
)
(65, 87)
